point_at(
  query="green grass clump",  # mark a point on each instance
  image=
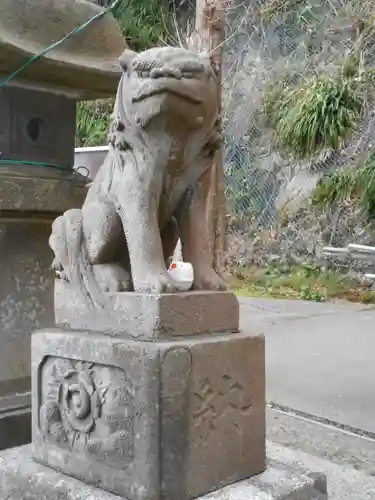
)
(315, 116)
(355, 184)
(144, 23)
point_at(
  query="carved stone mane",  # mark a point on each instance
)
(153, 186)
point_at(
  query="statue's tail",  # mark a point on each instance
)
(71, 260)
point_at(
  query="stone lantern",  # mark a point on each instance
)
(37, 183)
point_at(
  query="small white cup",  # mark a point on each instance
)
(182, 275)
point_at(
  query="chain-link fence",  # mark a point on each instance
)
(286, 44)
(271, 48)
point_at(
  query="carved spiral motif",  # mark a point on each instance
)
(79, 400)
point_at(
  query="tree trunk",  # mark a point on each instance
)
(209, 37)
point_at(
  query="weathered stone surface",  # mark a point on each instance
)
(21, 478)
(88, 61)
(212, 414)
(150, 316)
(144, 419)
(37, 126)
(153, 186)
(20, 194)
(26, 303)
(95, 410)
(38, 111)
(276, 483)
(27, 208)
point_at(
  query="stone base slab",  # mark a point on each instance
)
(149, 316)
(21, 478)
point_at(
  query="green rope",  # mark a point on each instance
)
(36, 57)
(33, 163)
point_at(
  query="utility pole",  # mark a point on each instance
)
(209, 37)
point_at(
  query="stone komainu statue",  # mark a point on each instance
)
(153, 186)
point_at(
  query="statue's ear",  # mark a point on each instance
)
(126, 59)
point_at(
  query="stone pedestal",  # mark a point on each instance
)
(172, 419)
(161, 417)
(149, 316)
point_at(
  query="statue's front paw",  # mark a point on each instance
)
(154, 283)
(208, 279)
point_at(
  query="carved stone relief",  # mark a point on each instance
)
(212, 403)
(218, 401)
(88, 408)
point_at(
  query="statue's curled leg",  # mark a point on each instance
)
(102, 233)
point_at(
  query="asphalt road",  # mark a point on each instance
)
(320, 357)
